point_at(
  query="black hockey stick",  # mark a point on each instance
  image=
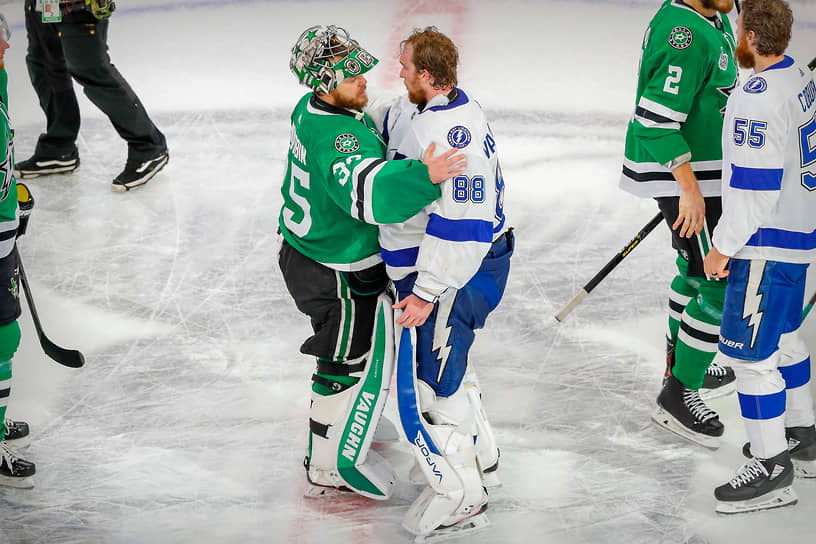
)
(808, 306)
(66, 357)
(596, 279)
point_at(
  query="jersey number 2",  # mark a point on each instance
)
(672, 84)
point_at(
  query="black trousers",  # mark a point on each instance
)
(77, 48)
(341, 305)
(692, 248)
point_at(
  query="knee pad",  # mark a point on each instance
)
(342, 425)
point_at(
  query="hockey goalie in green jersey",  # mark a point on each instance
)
(336, 190)
(673, 154)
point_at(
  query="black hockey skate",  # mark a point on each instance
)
(14, 472)
(718, 382)
(16, 433)
(758, 485)
(802, 449)
(682, 411)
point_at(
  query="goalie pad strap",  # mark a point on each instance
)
(334, 369)
(319, 428)
(337, 387)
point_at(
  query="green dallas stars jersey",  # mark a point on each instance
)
(338, 187)
(8, 186)
(687, 70)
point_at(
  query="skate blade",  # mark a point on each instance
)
(464, 527)
(717, 392)
(322, 492)
(804, 469)
(25, 482)
(19, 443)
(668, 422)
(774, 499)
(491, 480)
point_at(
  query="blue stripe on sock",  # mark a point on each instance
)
(796, 375)
(762, 406)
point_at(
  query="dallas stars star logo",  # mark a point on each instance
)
(727, 92)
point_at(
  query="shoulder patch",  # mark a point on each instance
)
(459, 137)
(346, 143)
(755, 85)
(680, 37)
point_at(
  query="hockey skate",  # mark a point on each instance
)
(802, 449)
(16, 433)
(718, 381)
(15, 472)
(758, 485)
(434, 517)
(682, 411)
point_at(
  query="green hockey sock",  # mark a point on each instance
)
(699, 334)
(5, 389)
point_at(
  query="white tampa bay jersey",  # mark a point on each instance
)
(769, 167)
(445, 242)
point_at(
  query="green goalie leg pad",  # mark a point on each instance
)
(343, 424)
(698, 338)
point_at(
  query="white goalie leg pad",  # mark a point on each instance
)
(443, 447)
(487, 452)
(343, 425)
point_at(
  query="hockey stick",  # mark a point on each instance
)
(808, 306)
(591, 284)
(66, 357)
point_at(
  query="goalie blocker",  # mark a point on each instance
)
(342, 425)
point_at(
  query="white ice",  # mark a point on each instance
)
(188, 422)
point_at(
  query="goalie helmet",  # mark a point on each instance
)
(324, 56)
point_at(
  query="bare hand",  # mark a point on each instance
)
(443, 166)
(715, 263)
(414, 311)
(691, 213)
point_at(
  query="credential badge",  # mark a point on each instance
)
(680, 37)
(346, 143)
(459, 137)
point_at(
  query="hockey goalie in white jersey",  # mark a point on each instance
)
(449, 264)
(768, 233)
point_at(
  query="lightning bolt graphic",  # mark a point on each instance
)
(753, 298)
(442, 332)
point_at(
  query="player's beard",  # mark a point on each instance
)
(355, 102)
(723, 6)
(743, 53)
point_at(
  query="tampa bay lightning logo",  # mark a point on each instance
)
(459, 137)
(755, 85)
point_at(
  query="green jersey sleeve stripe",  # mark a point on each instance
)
(363, 177)
(659, 109)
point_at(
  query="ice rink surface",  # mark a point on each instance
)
(188, 422)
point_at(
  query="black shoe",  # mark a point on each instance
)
(759, 484)
(45, 166)
(14, 472)
(802, 449)
(16, 433)
(718, 381)
(139, 172)
(682, 411)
